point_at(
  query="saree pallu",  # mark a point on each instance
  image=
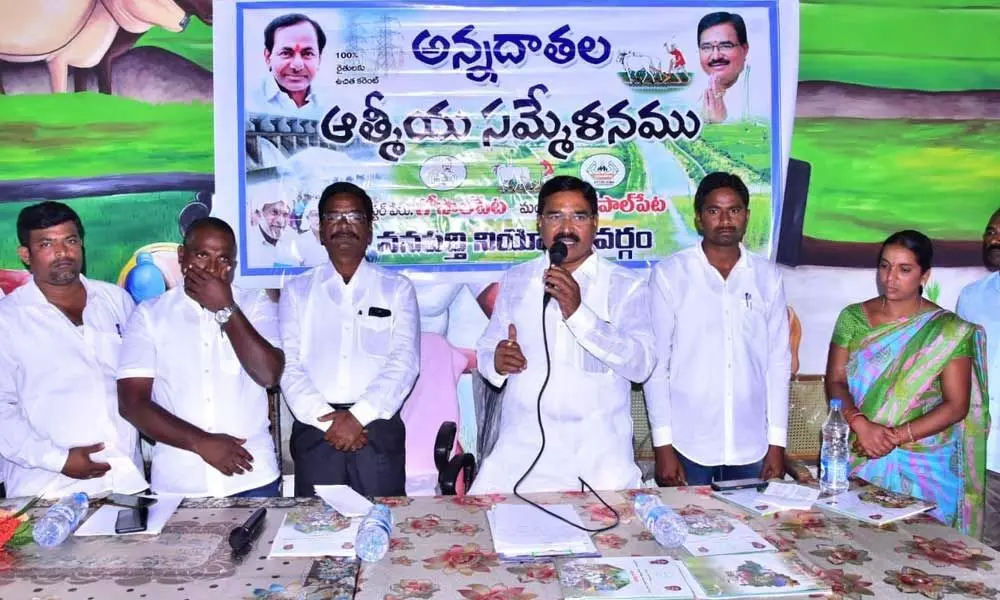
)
(893, 374)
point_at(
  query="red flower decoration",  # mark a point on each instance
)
(467, 559)
(478, 591)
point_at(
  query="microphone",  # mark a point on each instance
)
(243, 536)
(557, 254)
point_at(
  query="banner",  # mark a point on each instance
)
(453, 117)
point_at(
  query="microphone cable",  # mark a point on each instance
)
(541, 427)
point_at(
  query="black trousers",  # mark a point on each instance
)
(377, 469)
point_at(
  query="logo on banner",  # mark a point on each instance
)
(442, 173)
(603, 171)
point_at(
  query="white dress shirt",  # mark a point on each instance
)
(338, 352)
(197, 377)
(719, 392)
(979, 303)
(267, 98)
(58, 391)
(586, 408)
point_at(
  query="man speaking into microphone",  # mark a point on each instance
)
(580, 326)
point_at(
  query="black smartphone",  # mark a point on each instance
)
(738, 484)
(130, 501)
(131, 520)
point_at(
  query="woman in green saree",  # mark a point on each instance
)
(912, 380)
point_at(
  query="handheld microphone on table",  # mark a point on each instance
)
(557, 254)
(241, 538)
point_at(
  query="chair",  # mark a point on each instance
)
(434, 457)
(455, 472)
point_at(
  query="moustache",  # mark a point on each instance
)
(993, 247)
(718, 62)
(344, 234)
(62, 263)
(562, 237)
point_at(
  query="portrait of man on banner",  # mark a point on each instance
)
(293, 48)
(722, 50)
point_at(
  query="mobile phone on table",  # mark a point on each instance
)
(132, 520)
(738, 484)
(129, 501)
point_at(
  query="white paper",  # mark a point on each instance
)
(710, 535)
(315, 532)
(344, 500)
(522, 530)
(102, 522)
(789, 495)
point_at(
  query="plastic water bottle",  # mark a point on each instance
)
(833, 457)
(668, 528)
(373, 534)
(61, 518)
(145, 280)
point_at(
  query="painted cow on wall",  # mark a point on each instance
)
(76, 33)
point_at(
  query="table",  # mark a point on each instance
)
(441, 549)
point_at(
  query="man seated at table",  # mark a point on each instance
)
(598, 340)
(194, 369)
(59, 426)
(351, 333)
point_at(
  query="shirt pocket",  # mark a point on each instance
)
(106, 348)
(374, 334)
(753, 320)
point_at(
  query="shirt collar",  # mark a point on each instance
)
(272, 91)
(33, 294)
(742, 263)
(332, 278)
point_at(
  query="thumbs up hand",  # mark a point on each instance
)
(508, 358)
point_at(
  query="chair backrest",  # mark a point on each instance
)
(433, 401)
(807, 410)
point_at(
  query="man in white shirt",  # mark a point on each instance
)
(293, 45)
(595, 334)
(979, 303)
(61, 432)
(194, 371)
(718, 398)
(351, 334)
(723, 48)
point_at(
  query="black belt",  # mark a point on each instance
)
(340, 406)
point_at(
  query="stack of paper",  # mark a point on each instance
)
(521, 531)
(752, 576)
(310, 531)
(776, 498)
(710, 534)
(624, 578)
(875, 505)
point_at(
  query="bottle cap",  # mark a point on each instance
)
(836, 404)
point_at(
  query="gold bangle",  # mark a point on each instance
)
(851, 418)
(910, 432)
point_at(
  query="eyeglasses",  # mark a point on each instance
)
(353, 217)
(723, 47)
(575, 218)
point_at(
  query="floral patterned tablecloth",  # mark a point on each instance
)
(441, 549)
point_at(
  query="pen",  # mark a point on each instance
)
(118, 328)
(748, 299)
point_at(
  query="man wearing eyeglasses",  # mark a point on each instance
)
(351, 335)
(589, 342)
(723, 48)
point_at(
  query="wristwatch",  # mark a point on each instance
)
(222, 315)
